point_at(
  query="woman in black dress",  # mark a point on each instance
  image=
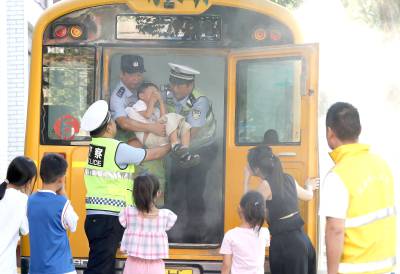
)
(291, 251)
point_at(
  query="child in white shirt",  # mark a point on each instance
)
(13, 202)
(145, 110)
(243, 247)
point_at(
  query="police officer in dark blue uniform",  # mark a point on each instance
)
(185, 187)
(125, 95)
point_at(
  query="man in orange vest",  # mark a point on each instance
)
(357, 200)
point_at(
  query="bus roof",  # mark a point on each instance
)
(265, 7)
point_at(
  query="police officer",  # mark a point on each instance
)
(125, 95)
(109, 183)
(186, 186)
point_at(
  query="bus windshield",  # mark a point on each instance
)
(200, 220)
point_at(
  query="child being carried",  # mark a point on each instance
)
(145, 110)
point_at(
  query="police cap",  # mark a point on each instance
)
(132, 64)
(96, 116)
(182, 72)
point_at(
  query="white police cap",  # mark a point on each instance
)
(96, 116)
(182, 72)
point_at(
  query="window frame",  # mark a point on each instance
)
(44, 126)
(239, 84)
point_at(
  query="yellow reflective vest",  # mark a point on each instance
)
(370, 225)
(108, 187)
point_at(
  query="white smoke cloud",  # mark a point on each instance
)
(359, 65)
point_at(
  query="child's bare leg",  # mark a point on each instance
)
(173, 138)
(185, 138)
(135, 142)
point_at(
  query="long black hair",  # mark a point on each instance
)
(20, 171)
(253, 209)
(262, 158)
(145, 190)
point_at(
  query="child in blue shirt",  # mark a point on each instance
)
(50, 214)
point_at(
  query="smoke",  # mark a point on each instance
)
(359, 64)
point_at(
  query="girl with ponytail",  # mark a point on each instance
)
(145, 239)
(13, 201)
(243, 247)
(291, 251)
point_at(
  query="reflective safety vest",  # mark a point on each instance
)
(108, 187)
(206, 134)
(370, 225)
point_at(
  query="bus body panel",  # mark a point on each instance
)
(299, 160)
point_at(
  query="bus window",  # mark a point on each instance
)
(268, 101)
(200, 218)
(68, 89)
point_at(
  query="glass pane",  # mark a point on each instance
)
(68, 90)
(194, 193)
(177, 28)
(269, 101)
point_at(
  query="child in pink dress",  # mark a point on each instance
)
(243, 247)
(145, 239)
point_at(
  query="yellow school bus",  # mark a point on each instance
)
(253, 68)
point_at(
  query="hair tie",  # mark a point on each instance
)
(256, 203)
(6, 181)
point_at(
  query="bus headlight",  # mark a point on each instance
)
(76, 32)
(260, 34)
(60, 31)
(275, 35)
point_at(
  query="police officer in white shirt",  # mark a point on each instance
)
(124, 95)
(186, 187)
(109, 183)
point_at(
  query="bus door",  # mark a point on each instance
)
(206, 211)
(272, 98)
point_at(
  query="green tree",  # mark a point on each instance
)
(383, 14)
(196, 2)
(288, 3)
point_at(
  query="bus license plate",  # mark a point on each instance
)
(178, 271)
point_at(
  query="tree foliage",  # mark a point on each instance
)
(288, 3)
(384, 14)
(196, 2)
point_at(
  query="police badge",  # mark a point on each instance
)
(196, 113)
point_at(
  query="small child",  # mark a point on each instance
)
(178, 130)
(243, 247)
(145, 239)
(20, 173)
(50, 214)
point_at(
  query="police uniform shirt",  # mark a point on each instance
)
(121, 98)
(197, 115)
(127, 155)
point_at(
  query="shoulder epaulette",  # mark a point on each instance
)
(121, 91)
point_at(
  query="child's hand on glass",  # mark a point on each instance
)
(312, 183)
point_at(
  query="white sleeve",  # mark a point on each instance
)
(140, 106)
(69, 218)
(226, 246)
(265, 236)
(24, 228)
(334, 197)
